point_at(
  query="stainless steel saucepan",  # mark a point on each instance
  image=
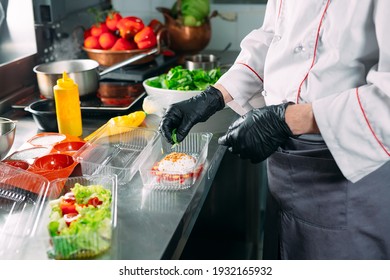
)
(84, 72)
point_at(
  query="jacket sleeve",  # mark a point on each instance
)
(244, 80)
(355, 124)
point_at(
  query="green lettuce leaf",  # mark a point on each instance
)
(91, 233)
(179, 78)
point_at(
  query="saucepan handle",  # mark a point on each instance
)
(129, 61)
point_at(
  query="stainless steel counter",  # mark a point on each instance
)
(155, 224)
(151, 224)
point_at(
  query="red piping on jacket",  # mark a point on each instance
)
(280, 7)
(250, 68)
(315, 51)
(369, 125)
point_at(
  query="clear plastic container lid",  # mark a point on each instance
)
(117, 151)
(46, 139)
(85, 244)
(182, 175)
(19, 208)
(29, 154)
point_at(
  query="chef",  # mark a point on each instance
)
(313, 87)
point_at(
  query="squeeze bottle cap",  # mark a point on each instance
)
(65, 82)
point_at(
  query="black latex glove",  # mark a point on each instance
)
(183, 115)
(258, 134)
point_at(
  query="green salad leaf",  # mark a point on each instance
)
(84, 193)
(179, 78)
(90, 233)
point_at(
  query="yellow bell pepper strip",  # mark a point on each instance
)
(118, 124)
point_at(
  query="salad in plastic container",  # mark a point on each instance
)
(79, 223)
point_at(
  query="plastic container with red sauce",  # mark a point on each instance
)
(49, 155)
(68, 147)
(194, 145)
(18, 163)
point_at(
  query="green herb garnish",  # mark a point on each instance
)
(174, 139)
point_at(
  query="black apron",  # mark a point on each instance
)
(316, 213)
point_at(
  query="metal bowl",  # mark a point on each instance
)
(201, 61)
(7, 136)
(110, 57)
(44, 114)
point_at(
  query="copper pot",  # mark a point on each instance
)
(186, 39)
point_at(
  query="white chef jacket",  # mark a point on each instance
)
(334, 54)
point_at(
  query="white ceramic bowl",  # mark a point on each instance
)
(166, 97)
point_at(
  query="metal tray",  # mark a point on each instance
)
(91, 106)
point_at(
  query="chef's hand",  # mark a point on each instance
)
(258, 134)
(183, 115)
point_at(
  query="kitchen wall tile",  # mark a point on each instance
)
(223, 33)
(247, 18)
(130, 6)
(162, 3)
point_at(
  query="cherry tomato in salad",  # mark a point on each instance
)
(94, 201)
(68, 204)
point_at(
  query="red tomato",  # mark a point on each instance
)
(92, 42)
(67, 204)
(112, 20)
(107, 40)
(94, 201)
(69, 218)
(98, 29)
(87, 33)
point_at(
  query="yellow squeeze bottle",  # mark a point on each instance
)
(68, 111)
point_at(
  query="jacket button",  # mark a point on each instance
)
(264, 93)
(299, 49)
(277, 38)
